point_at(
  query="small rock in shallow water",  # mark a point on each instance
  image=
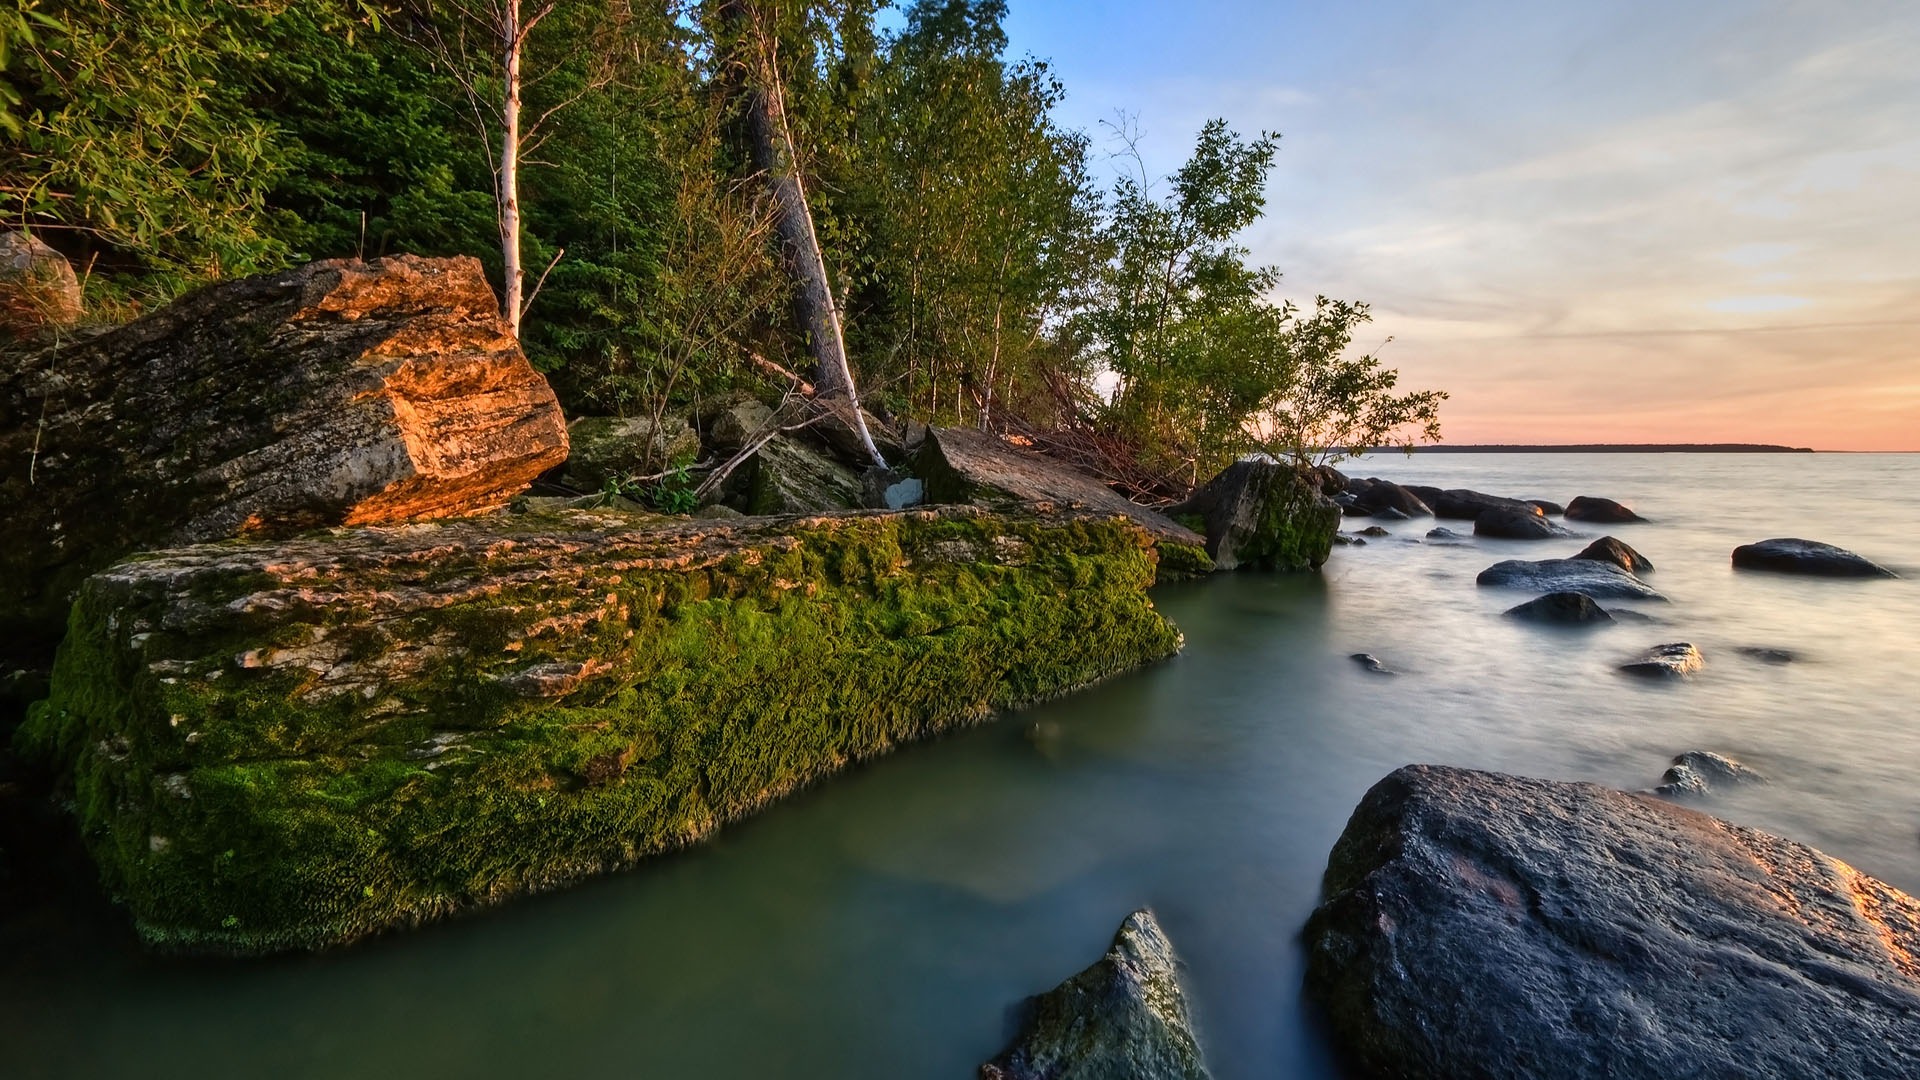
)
(1374, 530)
(1767, 655)
(1667, 661)
(1596, 579)
(1608, 550)
(1124, 1018)
(1792, 556)
(1443, 533)
(1348, 540)
(1696, 772)
(1372, 663)
(1561, 607)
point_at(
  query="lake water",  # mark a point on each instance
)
(882, 924)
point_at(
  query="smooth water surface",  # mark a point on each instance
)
(882, 924)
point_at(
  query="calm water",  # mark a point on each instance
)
(881, 925)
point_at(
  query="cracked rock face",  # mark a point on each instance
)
(1491, 926)
(339, 393)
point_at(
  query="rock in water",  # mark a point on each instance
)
(1551, 509)
(1561, 607)
(1264, 515)
(294, 744)
(1516, 525)
(1696, 772)
(1791, 556)
(338, 393)
(1608, 550)
(1590, 576)
(1371, 663)
(1478, 925)
(1124, 1018)
(1443, 533)
(1382, 495)
(1667, 661)
(38, 288)
(1464, 504)
(1600, 511)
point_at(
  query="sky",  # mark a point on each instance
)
(1605, 221)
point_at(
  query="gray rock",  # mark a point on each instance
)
(1561, 607)
(1374, 530)
(1666, 661)
(1371, 663)
(1265, 515)
(787, 476)
(1463, 504)
(1551, 509)
(1349, 540)
(1767, 654)
(1627, 614)
(1124, 1018)
(1597, 579)
(1443, 533)
(603, 448)
(1382, 495)
(1388, 513)
(1487, 926)
(1600, 511)
(1608, 550)
(38, 288)
(1517, 525)
(1792, 556)
(732, 423)
(902, 494)
(1696, 772)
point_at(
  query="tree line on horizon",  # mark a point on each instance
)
(631, 208)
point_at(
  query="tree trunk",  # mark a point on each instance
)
(774, 157)
(509, 193)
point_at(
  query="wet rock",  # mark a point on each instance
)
(1792, 556)
(1375, 531)
(337, 393)
(1666, 661)
(1767, 654)
(962, 465)
(1124, 1018)
(1551, 509)
(1516, 525)
(1464, 504)
(613, 448)
(1609, 550)
(1601, 580)
(1371, 663)
(1625, 614)
(1330, 480)
(789, 476)
(1443, 533)
(1561, 607)
(1349, 540)
(1507, 929)
(1600, 511)
(38, 288)
(1697, 772)
(727, 662)
(1390, 514)
(1379, 496)
(1264, 515)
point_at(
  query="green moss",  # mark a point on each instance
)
(1181, 561)
(236, 803)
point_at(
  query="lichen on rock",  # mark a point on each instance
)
(381, 726)
(1265, 515)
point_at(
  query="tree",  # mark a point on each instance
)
(1336, 407)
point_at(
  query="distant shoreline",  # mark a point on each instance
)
(1611, 448)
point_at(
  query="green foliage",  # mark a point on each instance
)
(1339, 406)
(240, 808)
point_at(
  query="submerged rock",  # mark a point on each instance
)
(1609, 550)
(38, 288)
(1265, 515)
(1371, 663)
(384, 726)
(1504, 928)
(1666, 661)
(1792, 556)
(1696, 772)
(1561, 607)
(1124, 1018)
(1590, 576)
(1767, 654)
(1516, 525)
(340, 393)
(1600, 511)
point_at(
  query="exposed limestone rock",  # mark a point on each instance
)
(603, 448)
(1124, 1018)
(338, 393)
(1502, 928)
(1264, 515)
(381, 726)
(38, 288)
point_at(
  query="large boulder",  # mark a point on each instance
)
(1478, 925)
(612, 448)
(38, 288)
(1124, 1018)
(340, 393)
(1609, 550)
(1463, 504)
(1379, 495)
(1528, 524)
(289, 745)
(1600, 511)
(961, 465)
(1264, 515)
(1793, 556)
(1590, 576)
(789, 476)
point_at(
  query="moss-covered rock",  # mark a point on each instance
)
(1264, 515)
(291, 745)
(787, 476)
(603, 448)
